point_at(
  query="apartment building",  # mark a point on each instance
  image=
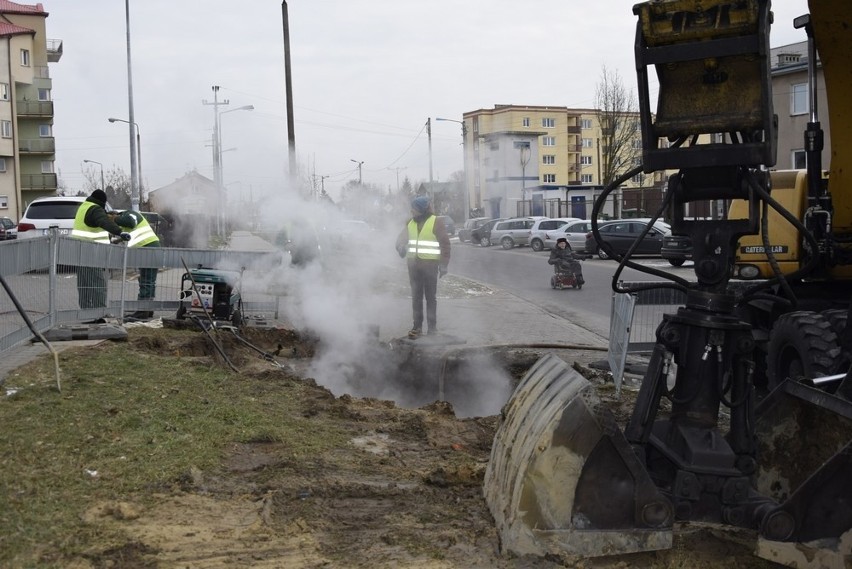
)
(536, 154)
(27, 147)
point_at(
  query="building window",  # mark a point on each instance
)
(586, 160)
(586, 178)
(2, 164)
(6, 129)
(25, 57)
(548, 159)
(45, 130)
(47, 166)
(799, 99)
(586, 143)
(549, 178)
(4, 202)
(44, 94)
(548, 123)
(586, 124)
(800, 160)
(525, 122)
(4, 91)
(548, 141)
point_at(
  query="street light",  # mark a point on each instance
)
(219, 151)
(138, 181)
(359, 168)
(464, 126)
(134, 174)
(102, 171)
(219, 134)
(397, 175)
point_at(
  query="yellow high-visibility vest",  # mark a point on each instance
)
(87, 232)
(423, 245)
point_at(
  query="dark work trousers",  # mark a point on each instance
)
(91, 287)
(423, 276)
(148, 279)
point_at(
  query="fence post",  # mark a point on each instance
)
(123, 281)
(52, 281)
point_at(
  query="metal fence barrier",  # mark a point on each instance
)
(42, 274)
(634, 320)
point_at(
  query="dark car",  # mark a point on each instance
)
(621, 234)
(676, 249)
(470, 225)
(482, 234)
(449, 224)
(8, 229)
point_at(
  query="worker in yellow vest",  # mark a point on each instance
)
(141, 235)
(426, 245)
(91, 223)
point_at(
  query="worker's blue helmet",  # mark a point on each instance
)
(420, 205)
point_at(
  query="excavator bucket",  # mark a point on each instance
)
(804, 438)
(563, 479)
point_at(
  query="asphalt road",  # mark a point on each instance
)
(525, 273)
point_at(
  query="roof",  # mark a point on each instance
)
(7, 7)
(7, 29)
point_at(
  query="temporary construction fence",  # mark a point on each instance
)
(634, 319)
(42, 275)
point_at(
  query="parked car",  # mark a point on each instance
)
(541, 226)
(575, 232)
(621, 234)
(44, 213)
(512, 232)
(449, 224)
(676, 249)
(482, 234)
(8, 229)
(470, 225)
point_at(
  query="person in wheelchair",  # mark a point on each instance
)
(564, 260)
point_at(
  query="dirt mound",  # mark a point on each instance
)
(403, 491)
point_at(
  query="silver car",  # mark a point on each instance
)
(575, 232)
(511, 232)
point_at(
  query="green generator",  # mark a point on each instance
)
(212, 291)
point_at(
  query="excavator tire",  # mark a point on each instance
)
(562, 477)
(801, 345)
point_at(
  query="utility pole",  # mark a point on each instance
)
(397, 175)
(429, 132)
(288, 87)
(135, 179)
(217, 159)
(359, 168)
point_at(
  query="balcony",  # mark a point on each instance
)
(40, 182)
(46, 145)
(54, 50)
(34, 109)
(573, 130)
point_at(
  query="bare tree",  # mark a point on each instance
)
(117, 185)
(620, 144)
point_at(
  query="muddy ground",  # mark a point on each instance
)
(406, 491)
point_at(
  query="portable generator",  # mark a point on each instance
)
(211, 291)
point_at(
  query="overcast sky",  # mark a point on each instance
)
(366, 77)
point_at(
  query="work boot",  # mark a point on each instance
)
(414, 333)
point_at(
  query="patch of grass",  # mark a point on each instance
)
(126, 422)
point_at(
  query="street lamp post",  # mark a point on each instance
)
(102, 171)
(219, 134)
(218, 148)
(464, 143)
(359, 168)
(138, 160)
(134, 151)
(397, 176)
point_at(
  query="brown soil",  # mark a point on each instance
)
(405, 492)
